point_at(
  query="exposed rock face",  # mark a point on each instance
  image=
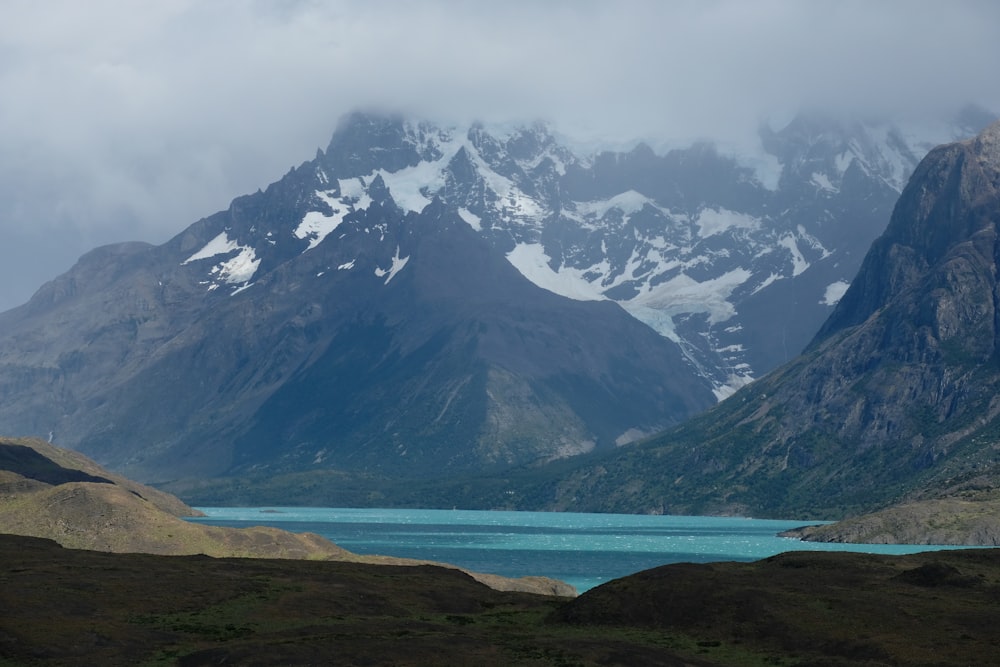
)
(906, 365)
(897, 394)
(952, 521)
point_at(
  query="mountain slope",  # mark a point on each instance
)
(425, 300)
(407, 345)
(896, 397)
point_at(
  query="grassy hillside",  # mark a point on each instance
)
(51, 493)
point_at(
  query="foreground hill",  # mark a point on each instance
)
(71, 607)
(49, 492)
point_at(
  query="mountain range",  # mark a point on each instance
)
(895, 400)
(420, 300)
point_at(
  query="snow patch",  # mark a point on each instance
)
(220, 245)
(843, 161)
(627, 202)
(822, 181)
(353, 192)
(834, 293)
(799, 263)
(713, 221)
(813, 242)
(409, 185)
(474, 220)
(397, 265)
(530, 259)
(767, 282)
(316, 225)
(238, 269)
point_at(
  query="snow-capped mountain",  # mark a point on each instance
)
(894, 401)
(737, 258)
(420, 299)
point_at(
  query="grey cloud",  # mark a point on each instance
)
(123, 121)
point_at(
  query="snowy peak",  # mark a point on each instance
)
(364, 142)
(714, 251)
(819, 149)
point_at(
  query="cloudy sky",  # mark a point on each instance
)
(126, 120)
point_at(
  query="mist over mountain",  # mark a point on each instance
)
(422, 299)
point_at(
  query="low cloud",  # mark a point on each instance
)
(124, 121)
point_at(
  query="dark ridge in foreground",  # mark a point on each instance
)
(65, 606)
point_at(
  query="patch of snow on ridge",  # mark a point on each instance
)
(530, 259)
(316, 225)
(813, 242)
(822, 181)
(397, 265)
(627, 202)
(713, 221)
(895, 166)
(474, 220)
(220, 245)
(834, 293)
(843, 161)
(411, 186)
(799, 263)
(239, 269)
(352, 190)
(767, 282)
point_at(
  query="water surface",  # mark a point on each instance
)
(584, 550)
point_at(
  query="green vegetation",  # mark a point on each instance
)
(65, 606)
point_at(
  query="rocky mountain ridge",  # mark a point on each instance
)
(419, 299)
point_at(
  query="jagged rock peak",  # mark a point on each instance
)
(986, 146)
(947, 202)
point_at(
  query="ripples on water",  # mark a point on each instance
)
(584, 550)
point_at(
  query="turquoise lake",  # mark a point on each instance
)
(584, 550)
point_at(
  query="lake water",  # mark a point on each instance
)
(583, 550)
